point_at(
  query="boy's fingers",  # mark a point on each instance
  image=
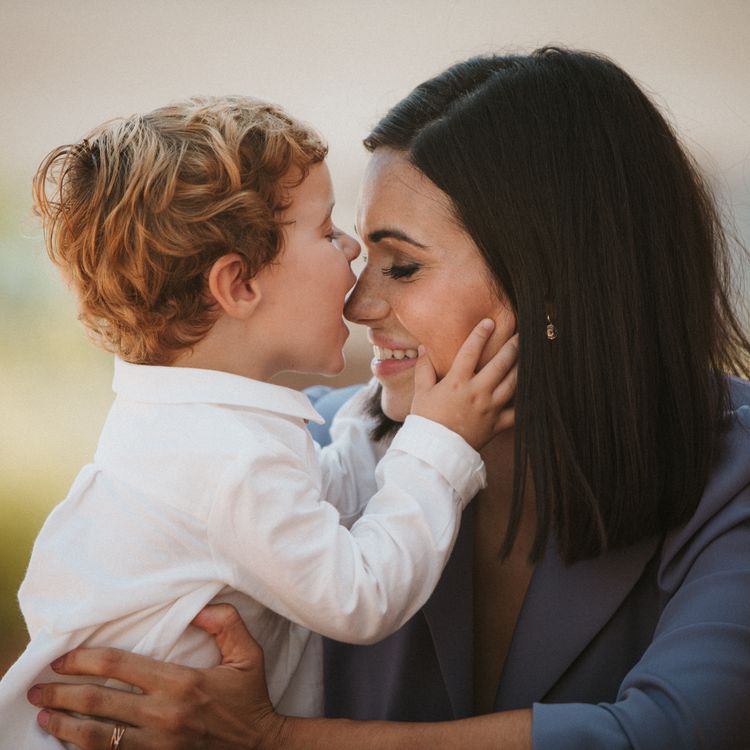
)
(465, 363)
(500, 365)
(504, 392)
(424, 372)
(506, 420)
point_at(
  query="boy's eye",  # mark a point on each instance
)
(401, 271)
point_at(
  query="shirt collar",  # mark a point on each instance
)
(186, 385)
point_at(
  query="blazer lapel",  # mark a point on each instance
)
(565, 607)
(449, 616)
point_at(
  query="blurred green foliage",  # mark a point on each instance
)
(22, 511)
(54, 392)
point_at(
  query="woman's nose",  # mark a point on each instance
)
(364, 305)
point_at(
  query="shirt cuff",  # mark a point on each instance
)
(446, 451)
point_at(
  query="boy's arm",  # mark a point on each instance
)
(274, 538)
(347, 463)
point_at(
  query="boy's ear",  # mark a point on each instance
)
(237, 296)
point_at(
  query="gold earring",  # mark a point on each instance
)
(551, 329)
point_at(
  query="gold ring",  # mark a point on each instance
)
(117, 735)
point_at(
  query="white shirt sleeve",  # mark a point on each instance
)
(347, 463)
(274, 539)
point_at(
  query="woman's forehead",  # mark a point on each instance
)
(396, 194)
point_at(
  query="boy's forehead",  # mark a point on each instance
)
(311, 199)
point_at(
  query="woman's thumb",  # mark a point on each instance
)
(237, 646)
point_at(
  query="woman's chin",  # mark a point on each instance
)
(396, 406)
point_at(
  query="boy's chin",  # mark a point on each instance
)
(331, 369)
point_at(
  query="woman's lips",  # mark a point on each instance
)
(387, 361)
(384, 352)
(382, 368)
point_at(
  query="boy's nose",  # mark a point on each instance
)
(351, 248)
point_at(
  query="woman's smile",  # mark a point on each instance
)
(391, 356)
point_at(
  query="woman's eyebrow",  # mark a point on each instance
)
(393, 234)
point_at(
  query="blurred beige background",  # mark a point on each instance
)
(66, 65)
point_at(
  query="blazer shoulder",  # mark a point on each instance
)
(739, 398)
(327, 401)
(725, 503)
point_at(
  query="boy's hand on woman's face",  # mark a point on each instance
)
(222, 707)
(475, 404)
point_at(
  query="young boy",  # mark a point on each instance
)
(199, 242)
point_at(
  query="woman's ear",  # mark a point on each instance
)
(236, 295)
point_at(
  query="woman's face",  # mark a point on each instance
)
(425, 281)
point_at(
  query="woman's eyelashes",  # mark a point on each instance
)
(401, 270)
(398, 269)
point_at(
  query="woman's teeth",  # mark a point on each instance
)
(382, 352)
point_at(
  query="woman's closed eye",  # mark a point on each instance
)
(401, 271)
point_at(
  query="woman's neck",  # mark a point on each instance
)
(496, 499)
(498, 579)
(498, 456)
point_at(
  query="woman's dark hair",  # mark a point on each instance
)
(586, 208)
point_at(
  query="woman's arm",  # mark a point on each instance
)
(510, 730)
(227, 707)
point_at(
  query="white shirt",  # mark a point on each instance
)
(207, 487)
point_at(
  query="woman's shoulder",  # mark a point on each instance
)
(725, 504)
(739, 398)
(329, 402)
(731, 470)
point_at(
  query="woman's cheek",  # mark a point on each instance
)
(442, 358)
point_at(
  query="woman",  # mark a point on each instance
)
(599, 592)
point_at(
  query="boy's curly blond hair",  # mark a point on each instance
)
(137, 212)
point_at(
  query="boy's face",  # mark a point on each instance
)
(306, 286)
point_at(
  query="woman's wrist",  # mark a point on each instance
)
(276, 732)
(509, 729)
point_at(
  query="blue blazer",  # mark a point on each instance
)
(646, 647)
